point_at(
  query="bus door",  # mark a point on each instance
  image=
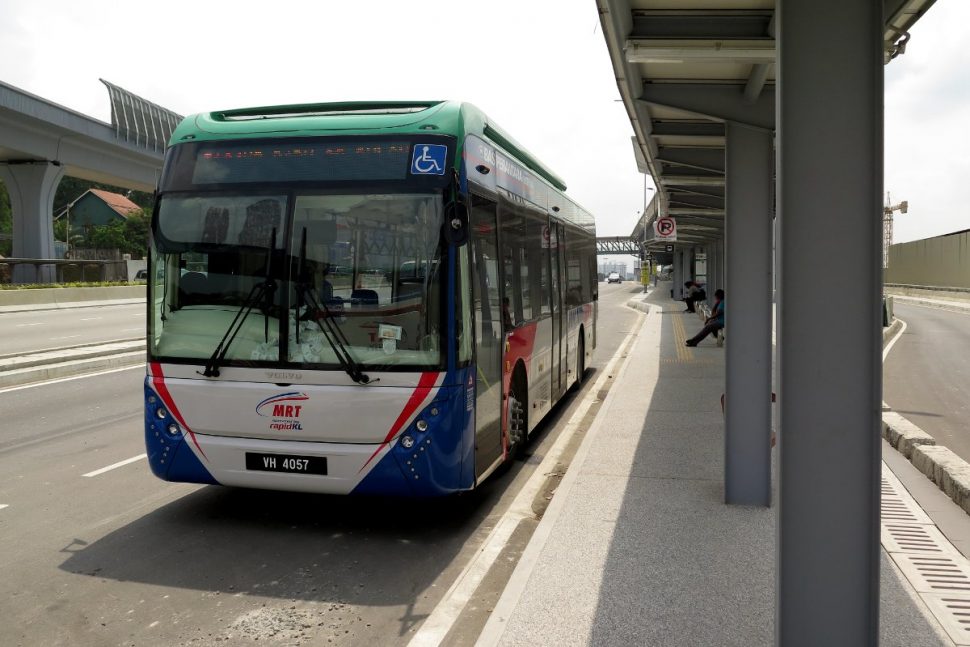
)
(487, 308)
(558, 381)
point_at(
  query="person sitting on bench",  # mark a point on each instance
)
(694, 294)
(714, 323)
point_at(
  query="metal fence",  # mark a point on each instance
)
(50, 270)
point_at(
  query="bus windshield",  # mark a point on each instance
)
(303, 278)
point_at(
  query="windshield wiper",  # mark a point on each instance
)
(261, 291)
(331, 331)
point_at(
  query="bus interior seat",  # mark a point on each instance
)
(261, 218)
(216, 225)
(364, 297)
(193, 288)
(409, 289)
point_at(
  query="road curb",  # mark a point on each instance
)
(939, 464)
(48, 366)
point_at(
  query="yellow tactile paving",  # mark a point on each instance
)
(684, 352)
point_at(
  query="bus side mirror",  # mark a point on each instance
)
(455, 227)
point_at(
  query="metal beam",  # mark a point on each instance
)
(618, 245)
(697, 202)
(688, 128)
(702, 159)
(699, 24)
(718, 101)
(759, 72)
(694, 192)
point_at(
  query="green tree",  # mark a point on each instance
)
(130, 236)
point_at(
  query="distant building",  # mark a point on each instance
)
(95, 207)
(612, 266)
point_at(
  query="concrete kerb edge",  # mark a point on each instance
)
(950, 472)
(498, 620)
(54, 371)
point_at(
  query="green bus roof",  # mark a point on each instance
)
(356, 118)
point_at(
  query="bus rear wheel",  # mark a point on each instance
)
(518, 424)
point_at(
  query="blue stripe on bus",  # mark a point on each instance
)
(169, 456)
(440, 459)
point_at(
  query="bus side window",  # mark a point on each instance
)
(574, 271)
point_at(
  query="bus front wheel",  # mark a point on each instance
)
(518, 416)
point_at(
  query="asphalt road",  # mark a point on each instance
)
(23, 332)
(96, 556)
(926, 376)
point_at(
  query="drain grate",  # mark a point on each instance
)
(934, 568)
(914, 538)
(953, 612)
(937, 574)
(896, 508)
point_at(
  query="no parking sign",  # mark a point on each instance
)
(665, 229)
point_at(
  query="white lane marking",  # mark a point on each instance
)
(444, 615)
(27, 325)
(4, 505)
(10, 389)
(899, 333)
(91, 319)
(115, 465)
(65, 337)
(140, 328)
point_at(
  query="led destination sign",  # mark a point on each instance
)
(300, 162)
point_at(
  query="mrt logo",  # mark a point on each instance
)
(282, 405)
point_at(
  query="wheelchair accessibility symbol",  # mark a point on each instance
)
(428, 159)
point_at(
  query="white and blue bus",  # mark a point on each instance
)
(359, 298)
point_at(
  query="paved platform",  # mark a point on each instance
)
(638, 548)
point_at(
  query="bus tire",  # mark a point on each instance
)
(518, 414)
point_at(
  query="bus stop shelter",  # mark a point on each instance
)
(761, 124)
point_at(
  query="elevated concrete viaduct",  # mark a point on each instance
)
(40, 142)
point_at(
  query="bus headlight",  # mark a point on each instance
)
(407, 441)
(161, 413)
(174, 429)
(421, 425)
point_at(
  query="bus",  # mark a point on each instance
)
(359, 298)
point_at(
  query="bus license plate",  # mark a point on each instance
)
(286, 463)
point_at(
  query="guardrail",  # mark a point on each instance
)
(103, 269)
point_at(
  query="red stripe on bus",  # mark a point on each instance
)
(158, 380)
(425, 384)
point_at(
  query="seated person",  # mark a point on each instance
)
(693, 294)
(714, 323)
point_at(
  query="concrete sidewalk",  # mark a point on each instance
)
(638, 548)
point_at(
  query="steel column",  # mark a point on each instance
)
(747, 433)
(678, 274)
(830, 157)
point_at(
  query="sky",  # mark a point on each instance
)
(538, 68)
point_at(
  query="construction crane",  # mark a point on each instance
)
(887, 225)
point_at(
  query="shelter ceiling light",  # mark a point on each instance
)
(691, 180)
(698, 51)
